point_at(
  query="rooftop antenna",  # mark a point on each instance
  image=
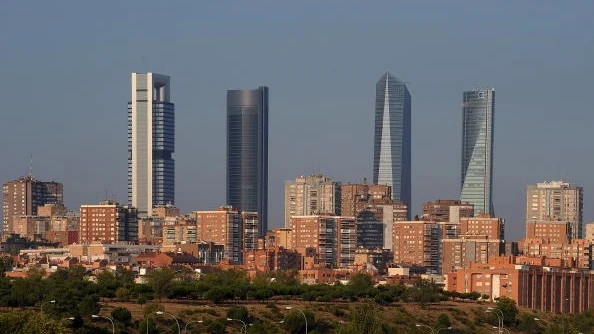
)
(31, 166)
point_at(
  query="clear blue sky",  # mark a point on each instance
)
(65, 83)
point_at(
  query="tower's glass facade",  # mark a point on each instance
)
(392, 142)
(151, 143)
(477, 149)
(247, 152)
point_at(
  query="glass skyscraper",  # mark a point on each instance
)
(151, 143)
(247, 152)
(477, 149)
(392, 142)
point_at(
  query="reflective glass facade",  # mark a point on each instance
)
(477, 149)
(392, 142)
(151, 143)
(247, 152)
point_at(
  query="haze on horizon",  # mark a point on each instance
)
(66, 83)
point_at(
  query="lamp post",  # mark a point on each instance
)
(304, 317)
(186, 327)
(443, 328)
(41, 306)
(499, 319)
(244, 325)
(108, 318)
(174, 318)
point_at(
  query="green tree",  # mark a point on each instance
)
(443, 321)
(508, 308)
(160, 280)
(121, 314)
(364, 320)
(295, 323)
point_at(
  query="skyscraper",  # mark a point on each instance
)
(391, 156)
(151, 143)
(247, 152)
(477, 150)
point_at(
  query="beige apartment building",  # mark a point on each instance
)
(460, 252)
(556, 200)
(311, 195)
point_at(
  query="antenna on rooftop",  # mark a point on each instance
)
(31, 166)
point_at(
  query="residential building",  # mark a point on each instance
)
(392, 138)
(577, 252)
(478, 110)
(417, 243)
(222, 226)
(179, 231)
(247, 152)
(151, 143)
(532, 284)
(319, 233)
(23, 196)
(460, 252)
(552, 231)
(250, 230)
(375, 198)
(483, 224)
(370, 232)
(447, 211)
(589, 232)
(556, 200)
(278, 237)
(107, 222)
(311, 195)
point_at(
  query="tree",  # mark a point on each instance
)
(160, 281)
(121, 314)
(364, 320)
(443, 321)
(508, 308)
(294, 322)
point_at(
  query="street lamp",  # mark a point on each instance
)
(430, 328)
(500, 319)
(108, 318)
(443, 329)
(49, 301)
(186, 327)
(304, 317)
(244, 325)
(174, 318)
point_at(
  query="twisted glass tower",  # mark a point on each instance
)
(247, 152)
(391, 154)
(477, 149)
(151, 139)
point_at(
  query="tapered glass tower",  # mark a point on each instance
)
(391, 157)
(478, 109)
(151, 139)
(247, 152)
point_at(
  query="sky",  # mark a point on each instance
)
(65, 83)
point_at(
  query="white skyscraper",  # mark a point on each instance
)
(151, 138)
